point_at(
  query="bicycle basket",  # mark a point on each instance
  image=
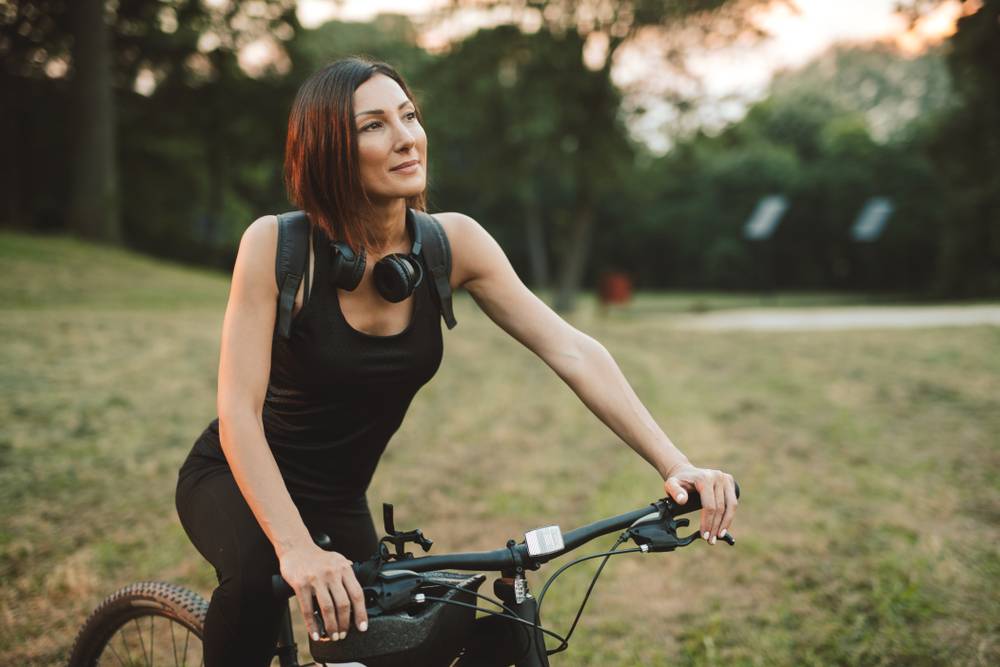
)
(430, 633)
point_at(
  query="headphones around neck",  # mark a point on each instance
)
(396, 275)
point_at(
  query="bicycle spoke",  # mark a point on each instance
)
(142, 644)
(173, 643)
(128, 653)
(187, 638)
(115, 653)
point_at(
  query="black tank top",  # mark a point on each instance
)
(336, 395)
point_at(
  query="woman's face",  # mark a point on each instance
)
(392, 146)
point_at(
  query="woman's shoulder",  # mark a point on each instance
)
(262, 231)
(454, 222)
(472, 247)
(461, 229)
(255, 257)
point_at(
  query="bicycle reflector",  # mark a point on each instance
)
(544, 541)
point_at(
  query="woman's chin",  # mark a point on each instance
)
(403, 190)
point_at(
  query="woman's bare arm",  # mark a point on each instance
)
(244, 367)
(584, 364)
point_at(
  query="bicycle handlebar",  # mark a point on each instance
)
(517, 555)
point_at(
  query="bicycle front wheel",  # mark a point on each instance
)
(148, 623)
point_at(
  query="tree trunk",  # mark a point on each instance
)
(93, 208)
(574, 260)
(216, 188)
(10, 170)
(535, 234)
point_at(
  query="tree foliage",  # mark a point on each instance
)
(528, 134)
(814, 145)
(522, 131)
(965, 149)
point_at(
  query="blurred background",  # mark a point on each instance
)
(836, 163)
(586, 136)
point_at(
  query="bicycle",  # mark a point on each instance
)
(420, 613)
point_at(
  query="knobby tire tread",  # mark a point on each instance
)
(138, 600)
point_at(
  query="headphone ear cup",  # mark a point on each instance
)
(396, 276)
(346, 268)
(418, 269)
(392, 279)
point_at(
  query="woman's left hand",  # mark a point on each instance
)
(718, 496)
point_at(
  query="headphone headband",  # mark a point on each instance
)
(414, 228)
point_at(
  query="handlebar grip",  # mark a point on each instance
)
(693, 503)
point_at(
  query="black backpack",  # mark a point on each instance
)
(290, 264)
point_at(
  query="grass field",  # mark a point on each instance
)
(870, 464)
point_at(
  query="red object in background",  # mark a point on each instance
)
(615, 287)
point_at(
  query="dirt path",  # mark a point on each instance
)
(833, 319)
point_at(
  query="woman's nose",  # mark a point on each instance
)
(404, 139)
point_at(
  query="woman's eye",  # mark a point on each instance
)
(371, 126)
(412, 115)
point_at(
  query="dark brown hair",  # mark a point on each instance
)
(321, 173)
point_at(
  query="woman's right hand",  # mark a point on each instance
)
(328, 576)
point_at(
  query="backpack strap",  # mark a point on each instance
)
(291, 263)
(436, 253)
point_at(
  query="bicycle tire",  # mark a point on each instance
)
(145, 599)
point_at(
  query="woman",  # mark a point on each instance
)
(302, 422)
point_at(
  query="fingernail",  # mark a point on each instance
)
(364, 626)
(335, 636)
(723, 533)
(315, 636)
(712, 541)
(343, 635)
(705, 535)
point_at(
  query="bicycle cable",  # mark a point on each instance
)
(434, 598)
(607, 555)
(526, 624)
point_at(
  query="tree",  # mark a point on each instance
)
(102, 50)
(966, 150)
(890, 90)
(599, 30)
(507, 141)
(93, 205)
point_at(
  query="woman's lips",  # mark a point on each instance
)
(406, 167)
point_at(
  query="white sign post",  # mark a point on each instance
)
(765, 218)
(759, 227)
(870, 223)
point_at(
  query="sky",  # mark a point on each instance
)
(734, 76)
(796, 36)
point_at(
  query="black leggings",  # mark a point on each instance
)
(244, 616)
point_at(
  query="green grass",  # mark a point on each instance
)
(870, 464)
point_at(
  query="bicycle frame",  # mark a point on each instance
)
(287, 651)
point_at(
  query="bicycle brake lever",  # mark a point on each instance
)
(684, 541)
(658, 536)
(727, 538)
